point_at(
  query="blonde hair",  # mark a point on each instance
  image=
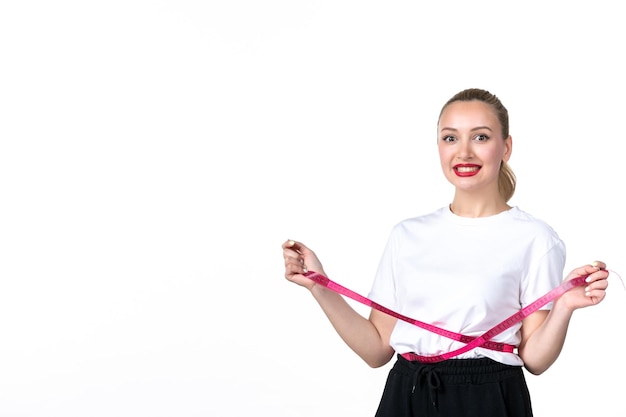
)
(506, 178)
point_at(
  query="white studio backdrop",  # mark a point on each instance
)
(154, 155)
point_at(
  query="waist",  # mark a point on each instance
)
(477, 370)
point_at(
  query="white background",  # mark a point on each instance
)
(154, 155)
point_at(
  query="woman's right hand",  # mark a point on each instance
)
(298, 260)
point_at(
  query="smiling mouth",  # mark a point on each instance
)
(466, 170)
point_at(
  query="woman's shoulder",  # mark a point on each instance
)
(420, 223)
(427, 218)
(532, 223)
(527, 218)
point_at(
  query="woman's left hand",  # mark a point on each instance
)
(590, 294)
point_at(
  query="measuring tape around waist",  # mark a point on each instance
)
(470, 342)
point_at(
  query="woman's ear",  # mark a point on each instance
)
(508, 148)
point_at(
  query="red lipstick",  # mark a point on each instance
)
(466, 170)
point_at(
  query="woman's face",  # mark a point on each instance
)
(471, 146)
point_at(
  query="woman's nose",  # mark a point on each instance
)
(464, 150)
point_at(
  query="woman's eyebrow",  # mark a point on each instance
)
(472, 129)
(482, 127)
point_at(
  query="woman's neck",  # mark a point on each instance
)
(466, 206)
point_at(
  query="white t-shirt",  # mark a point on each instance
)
(466, 275)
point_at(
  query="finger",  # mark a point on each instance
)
(291, 254)
(297, 246)
(595, 295)
(587, 270)
(294, 268)
(601, 284)
(597, 275)
(293, 258)
(598, 264)
(294, 245)
(290, 249)
(288, 244)
(294, 262)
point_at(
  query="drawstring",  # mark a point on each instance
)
(431, 374)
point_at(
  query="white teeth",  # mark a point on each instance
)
(467, 169)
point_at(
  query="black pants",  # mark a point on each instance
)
(455, 388)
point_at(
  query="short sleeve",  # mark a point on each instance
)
(545, 271)
(384, 287)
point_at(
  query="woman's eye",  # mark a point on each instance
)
(448, 138)
(481, 138)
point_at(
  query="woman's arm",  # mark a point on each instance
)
(543, 332)
(368, 337)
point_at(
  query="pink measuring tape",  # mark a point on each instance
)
(471, 342)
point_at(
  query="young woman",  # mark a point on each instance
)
(463, 268)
